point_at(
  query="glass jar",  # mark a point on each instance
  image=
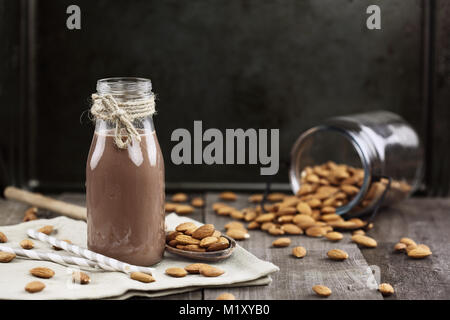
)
(125, 185)
(381, 151)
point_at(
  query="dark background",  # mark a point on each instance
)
(284, 64)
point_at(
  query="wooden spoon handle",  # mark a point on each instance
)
(43, 202)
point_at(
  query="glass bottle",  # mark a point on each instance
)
(125, 186)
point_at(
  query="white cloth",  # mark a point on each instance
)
(241, 269)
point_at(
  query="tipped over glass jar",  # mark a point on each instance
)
(354, 163)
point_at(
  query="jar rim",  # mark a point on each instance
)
(295, 181)
(131, 87)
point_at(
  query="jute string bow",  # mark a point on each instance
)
(105, 107)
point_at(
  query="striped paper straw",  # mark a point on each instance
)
(90, 255)
(39, 255)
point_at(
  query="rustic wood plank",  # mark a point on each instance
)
(11, 212)
(348, 279)
(426, 221)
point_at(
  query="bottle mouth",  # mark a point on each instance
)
(306, 140)
(125, 87)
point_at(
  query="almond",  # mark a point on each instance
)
(290, 228)
(46, 229)
(316, 231)
(364, 241)
(204, 231)
(408, 241)
(34, 286)
(359, 231)
(172, 235)
(185, 226)
(304, 208)
(30, 214)
(281, 242)
(238, 234)
(305, 189)
(197, 202)
(173, 243)
(312, 178)
(358, 222)
(237, 214)
(170, 207)
(217, 246)
(275, 197)
(322, 291)
(299, 252)
(176, 272)
(217, 205)
(249, 215)
(142, 277)
(194, 248)
(27, 244)
(400, 247)
(337, 254)
(276, 231)
(206, 242)
(349, 189)
(303, 221)
(194, 268)
(228, 196)
(314, 203)
(183, 209)
(341, 224)
(255, 198)
(6, 257)
(226, 296)
(285, 219)
(210, 271)
(234, 225)
(190, 231)
(286, 211)
(80, 277)
(267, 226)
(330, 217)
(179, 197)
(185, 239)
(224, 240)
(42, 272)
(386, 289)
(3, 238)
(224, 211)
(265, 217)
(328, 210)
(419, 252)
(334, 236)
(253, 225)
(216, 234)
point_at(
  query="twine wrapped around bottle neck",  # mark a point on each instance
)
(106, 107)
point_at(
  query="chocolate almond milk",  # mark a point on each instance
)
(125, 199)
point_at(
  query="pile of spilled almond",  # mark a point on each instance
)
(312, 211)
(187, 236)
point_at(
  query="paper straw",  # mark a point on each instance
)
(39, 255)
(90, 255)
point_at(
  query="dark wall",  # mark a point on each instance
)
(284, 64)
(9, 87)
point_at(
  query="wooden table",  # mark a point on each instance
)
(424, 220)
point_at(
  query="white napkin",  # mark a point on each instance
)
(241, 269)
